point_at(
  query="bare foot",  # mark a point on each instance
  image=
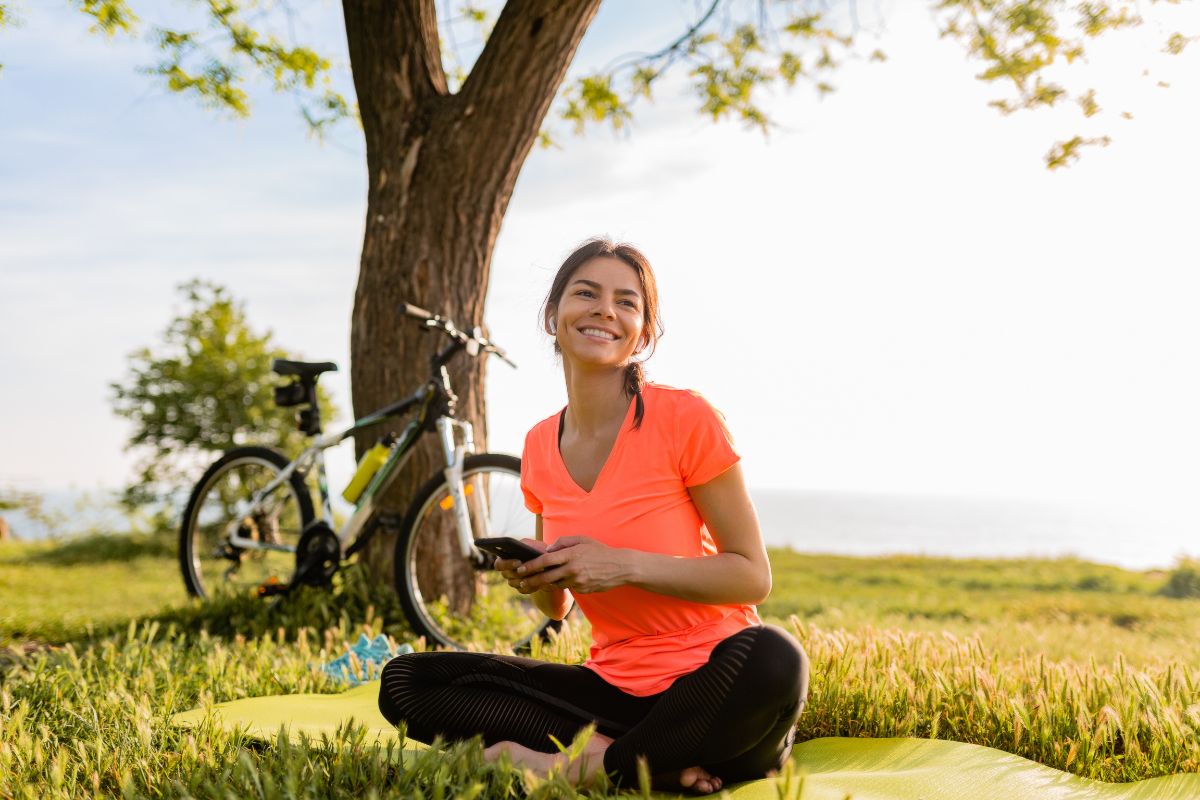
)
(580, 773)
(696, 779)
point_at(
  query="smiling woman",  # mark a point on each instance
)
(643, 519)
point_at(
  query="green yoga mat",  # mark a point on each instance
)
(863, 769)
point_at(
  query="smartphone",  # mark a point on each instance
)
(507, 547)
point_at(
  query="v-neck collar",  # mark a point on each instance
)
(612, 454)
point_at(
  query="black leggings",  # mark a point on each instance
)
(734, 716)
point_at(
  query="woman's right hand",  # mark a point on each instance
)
(508, 566)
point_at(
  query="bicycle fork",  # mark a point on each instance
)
(455, 455)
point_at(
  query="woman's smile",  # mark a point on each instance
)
(599, 334)
(601, 305)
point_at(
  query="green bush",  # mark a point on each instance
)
(1184, 580)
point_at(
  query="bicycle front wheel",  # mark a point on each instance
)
(223, 504)
(450, 600)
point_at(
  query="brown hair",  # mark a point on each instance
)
(652, 329)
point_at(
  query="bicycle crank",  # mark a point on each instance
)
(318, 556)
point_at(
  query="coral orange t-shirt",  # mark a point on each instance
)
(642, 641)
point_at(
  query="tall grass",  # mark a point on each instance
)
(91, 716)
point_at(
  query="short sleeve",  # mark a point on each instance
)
(705, 445)
(527, 468)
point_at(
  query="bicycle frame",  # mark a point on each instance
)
(314, 456)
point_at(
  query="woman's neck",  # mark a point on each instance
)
(597, 399)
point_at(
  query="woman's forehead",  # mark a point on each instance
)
(610, 273)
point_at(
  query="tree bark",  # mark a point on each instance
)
(441, 170)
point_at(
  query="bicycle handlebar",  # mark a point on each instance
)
(474, 342)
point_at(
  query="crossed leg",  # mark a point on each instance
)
(730, 720)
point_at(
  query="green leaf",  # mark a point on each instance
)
(1063, 153)
(205, 387)
(112, 16)
(1176, 44)
(592, 98)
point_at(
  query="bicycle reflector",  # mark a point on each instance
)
(447, 502)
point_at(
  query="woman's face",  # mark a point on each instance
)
(600, 314)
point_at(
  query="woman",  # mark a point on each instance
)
(643, 518)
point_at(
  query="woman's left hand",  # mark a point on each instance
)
(578, 563)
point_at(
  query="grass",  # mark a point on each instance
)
(1087, 668)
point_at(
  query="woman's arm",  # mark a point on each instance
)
(552, 601)
(739, 573)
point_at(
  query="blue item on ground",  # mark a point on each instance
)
(363, 661)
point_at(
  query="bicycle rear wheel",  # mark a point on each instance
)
(448, 599)
(221, 504)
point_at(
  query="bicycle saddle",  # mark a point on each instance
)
(303, 369)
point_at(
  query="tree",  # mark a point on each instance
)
(444, 148)
(32, 506)
(206, 388)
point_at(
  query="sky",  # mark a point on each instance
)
(889, 294)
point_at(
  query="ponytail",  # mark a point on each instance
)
(635, 379)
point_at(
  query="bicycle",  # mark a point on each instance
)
(249, 524)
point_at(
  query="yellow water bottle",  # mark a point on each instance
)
(371, 461)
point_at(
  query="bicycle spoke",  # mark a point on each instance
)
(226, 508)
(474, 609)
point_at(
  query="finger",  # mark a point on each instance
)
(545, 578)
(559, 544)
(521, 584)
(510, 571)
(542, 562)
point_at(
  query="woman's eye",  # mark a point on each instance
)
(589, 293)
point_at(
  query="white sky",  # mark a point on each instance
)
(891, 294)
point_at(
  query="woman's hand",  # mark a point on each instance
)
(508, 567)
(578, 563)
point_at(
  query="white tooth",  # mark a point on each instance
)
(596, 332)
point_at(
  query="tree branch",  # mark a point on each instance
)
(524, 62)
(395, 59)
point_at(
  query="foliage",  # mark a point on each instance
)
(211, 63)
(218, 83)
(733, 53)
(92, 716)
(112, 16)
(206, 388)
(1184, 580)
(730, 64)
(32, 506)
(1021, 40)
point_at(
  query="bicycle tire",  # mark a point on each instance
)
(419, 616)
(273, 459)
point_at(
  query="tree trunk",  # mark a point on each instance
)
(442, 168)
